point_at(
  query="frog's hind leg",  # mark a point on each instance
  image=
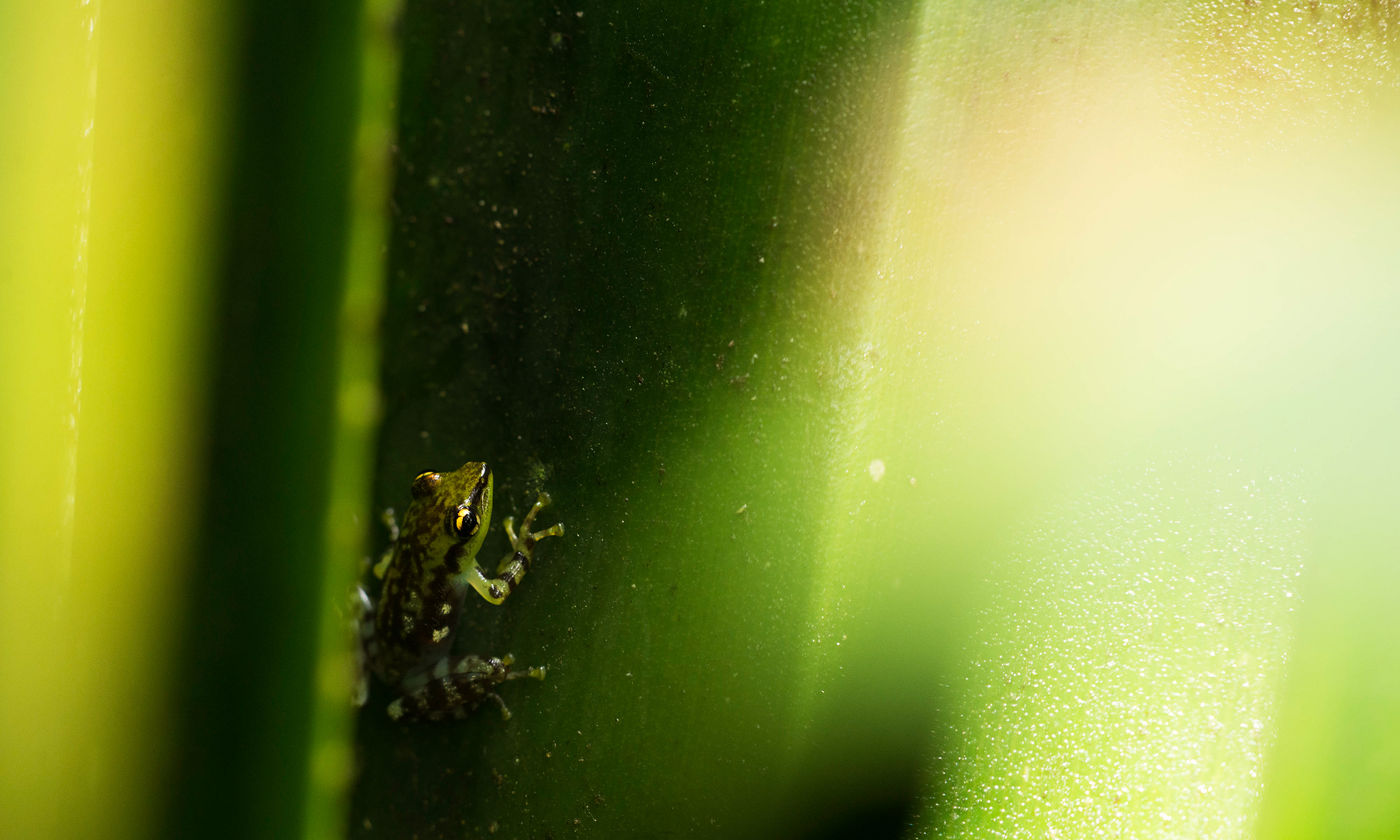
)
(516, 563)
(366, 648)
(455, 686)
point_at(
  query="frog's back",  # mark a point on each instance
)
(424, 585)
(414, 621)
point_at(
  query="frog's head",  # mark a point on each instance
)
(455, 507)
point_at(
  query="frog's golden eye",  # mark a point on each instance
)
(425, 484)
(464, 521)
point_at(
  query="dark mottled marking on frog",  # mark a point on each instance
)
(474, 501)
(452, 560)
(399, 626)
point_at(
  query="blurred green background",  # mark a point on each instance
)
(969, 419)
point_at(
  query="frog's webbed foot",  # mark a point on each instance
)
(533, 672)
(516, 563)
(455, 686)
(524, 543)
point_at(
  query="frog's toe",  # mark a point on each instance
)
(555, 530)
(534, 672)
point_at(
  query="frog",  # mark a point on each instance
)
(428, 571)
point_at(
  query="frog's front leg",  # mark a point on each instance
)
(455, 686)
(516, 563)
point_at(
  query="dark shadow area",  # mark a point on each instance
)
(246, 644)
(877, 794)
(886, 818)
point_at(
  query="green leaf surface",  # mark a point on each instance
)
(949, 405)
(611, 277)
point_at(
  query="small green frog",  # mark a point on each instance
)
(427, 572)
